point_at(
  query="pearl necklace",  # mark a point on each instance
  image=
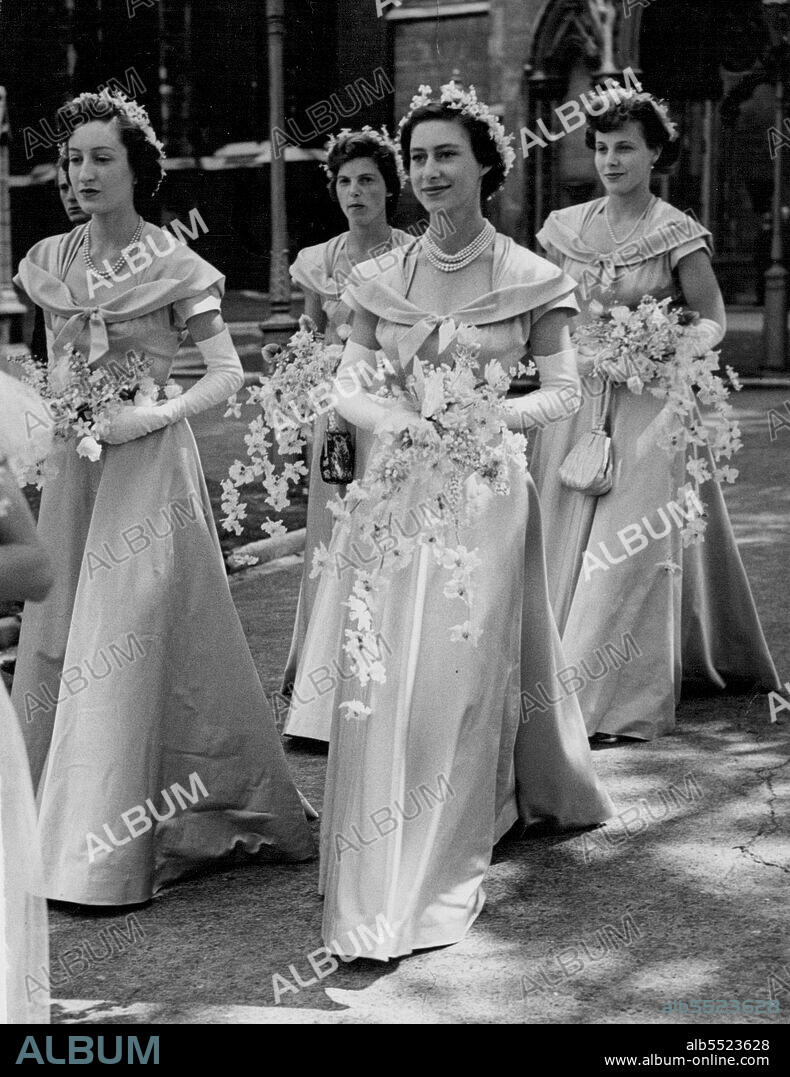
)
(619, 242)
(89, 262)
(450, 263)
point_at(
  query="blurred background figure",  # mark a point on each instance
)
(76, 215)
(74, 211)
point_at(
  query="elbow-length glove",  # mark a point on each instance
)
(559, 395)
(224, 377)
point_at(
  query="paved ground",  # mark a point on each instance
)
(686, 897)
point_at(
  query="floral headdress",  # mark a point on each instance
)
(661, 108)
(382, 137)
(453, 95)
(117, 102)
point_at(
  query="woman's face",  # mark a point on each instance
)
(444, 172)
(99, 169)
(361, 192)
(623, 159)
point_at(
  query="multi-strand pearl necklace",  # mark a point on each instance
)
(89, 262)
(450, 263)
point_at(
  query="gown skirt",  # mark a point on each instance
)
(24, 942)
(318, 529)
(419, 791)
(689, 611)
(151, 743)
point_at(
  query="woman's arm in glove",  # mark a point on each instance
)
(224, 377)
(356, 371)
(702, 293)
(559, 395)
(224, 374)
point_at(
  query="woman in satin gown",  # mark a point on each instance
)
(151, 743)
(365, 178)
(688, 611)
(25, 574)
(418, 792)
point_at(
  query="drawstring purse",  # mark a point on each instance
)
(588, 466)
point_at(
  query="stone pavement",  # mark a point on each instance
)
(684, 895)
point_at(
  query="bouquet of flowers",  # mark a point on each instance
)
(291, 394)
(654, 347)
(79, 401)
(421, 487)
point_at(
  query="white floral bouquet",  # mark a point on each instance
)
(421, 488)
(655, 347)
(290, 396)
(80, 401)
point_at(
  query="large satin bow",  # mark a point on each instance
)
(93, 319)
(411, 342)
(446, 324)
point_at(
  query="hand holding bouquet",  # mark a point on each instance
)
(661, 349)
(81, 402)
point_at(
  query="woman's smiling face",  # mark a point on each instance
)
(444, 172)
(99, 169)
(623, 159)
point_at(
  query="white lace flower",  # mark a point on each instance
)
(355, 709)
(89, 448)
(273, 528)
(321, 558)
(465, 633)
(669, 566)
(233, 410)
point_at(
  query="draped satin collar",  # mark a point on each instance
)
(665, 229)
(522, 281)
(41, 274)
(315, 267)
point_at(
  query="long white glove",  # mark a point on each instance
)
(354, 402)
(559, 395)
(224, 376)
(704, 336)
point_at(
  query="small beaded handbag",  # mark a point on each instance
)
(337, 455)
(588, 466)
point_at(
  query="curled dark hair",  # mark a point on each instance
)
(145, 159)
(355, 146)
(483, 146)
(642, 110)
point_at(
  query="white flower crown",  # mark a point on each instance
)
(661, 108)
(134, 112)
(382, 137)
(453, 95)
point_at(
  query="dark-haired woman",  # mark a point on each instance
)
(689, 611)
(366, 174)
(419, 791)
(151, 744)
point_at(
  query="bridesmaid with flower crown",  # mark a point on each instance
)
(365, 171)
(688, 609)
(447, 712)
(150, 740)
